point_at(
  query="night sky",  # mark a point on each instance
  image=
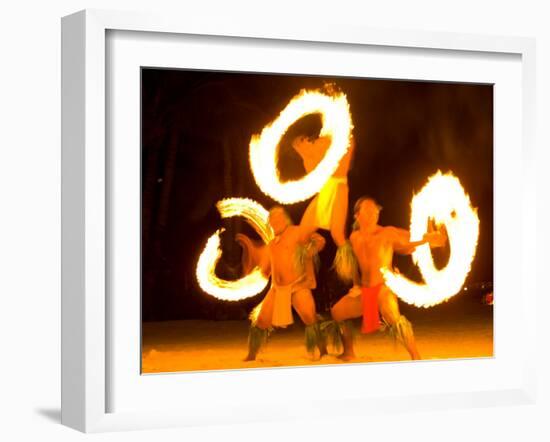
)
(196, 127)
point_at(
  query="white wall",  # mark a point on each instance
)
(30, 220)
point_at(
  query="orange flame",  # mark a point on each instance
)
(249, 285)
(264, 148)
(443, 199)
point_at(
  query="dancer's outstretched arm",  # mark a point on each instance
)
(402, 244)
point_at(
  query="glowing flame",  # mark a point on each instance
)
(336, 117)
(249, 285)
(249, 209)
(442, 199)
(243, 288)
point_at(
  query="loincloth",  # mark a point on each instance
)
(326, 200)
(371, 315)
(282, 302)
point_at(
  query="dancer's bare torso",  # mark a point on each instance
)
(373, 251)
(282, 253)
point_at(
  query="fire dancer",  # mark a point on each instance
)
(289, 259)
(373, 246)
(328, 210)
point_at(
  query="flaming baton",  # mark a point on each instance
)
(442, 199)
(264, 148)
(254, 282)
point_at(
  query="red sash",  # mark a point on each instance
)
(371, 316)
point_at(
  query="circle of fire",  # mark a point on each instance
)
(264, 148)
(442, 199)
(253, 283)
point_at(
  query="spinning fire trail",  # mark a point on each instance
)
(254, 282)
(264, 148)
(442, 199)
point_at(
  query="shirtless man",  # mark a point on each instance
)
(328, 210)
(373, 246)
(288, 258)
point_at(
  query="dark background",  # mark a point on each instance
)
(196, 127)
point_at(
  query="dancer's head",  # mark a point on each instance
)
(366, 212)
(279, 219)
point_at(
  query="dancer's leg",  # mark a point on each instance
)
(389, 307)
(348, 307)
(339, 215)
(260, 329)
(304, 304)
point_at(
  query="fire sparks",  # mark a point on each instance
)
(442, 199)
(249, 285)
(336, 117)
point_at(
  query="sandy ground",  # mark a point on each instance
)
(208, 345)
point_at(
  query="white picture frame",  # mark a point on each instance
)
(86, 206)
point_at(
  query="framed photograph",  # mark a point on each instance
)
(268, 223)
